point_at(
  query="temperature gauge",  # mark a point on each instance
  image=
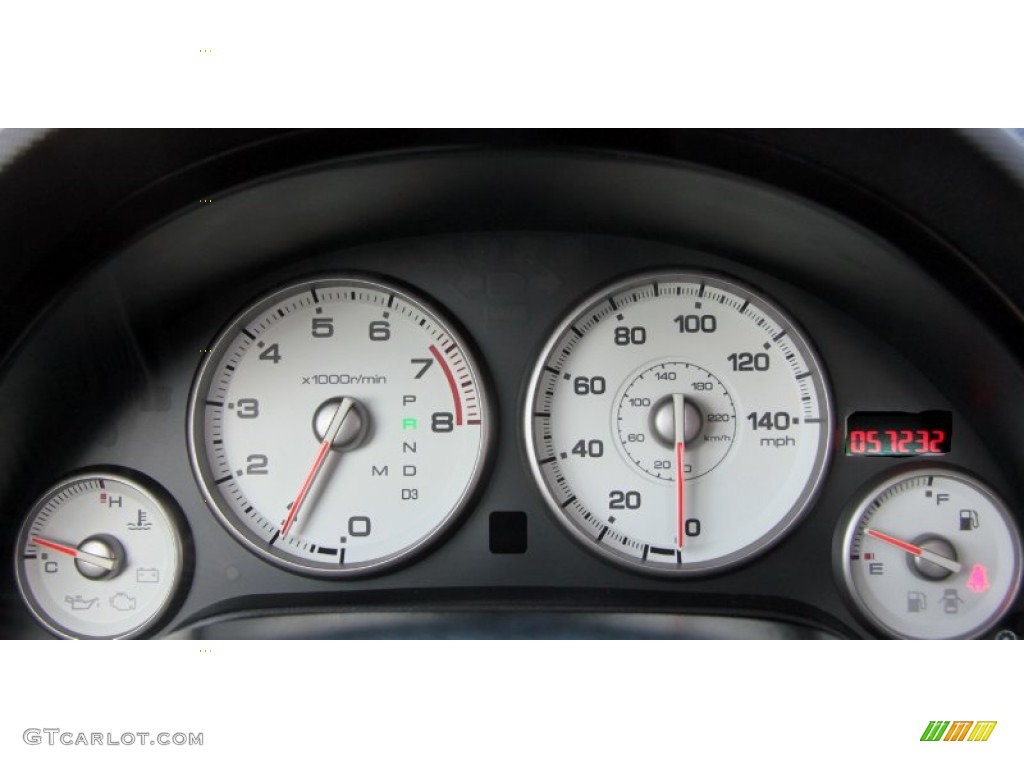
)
(100, 556)
(931, 554)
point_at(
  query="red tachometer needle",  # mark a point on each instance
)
(678, 403)
(924, 554)
(332, 432)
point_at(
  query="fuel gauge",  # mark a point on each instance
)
(931, 553)
(101, 556)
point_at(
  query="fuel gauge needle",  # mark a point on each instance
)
(99, 561)
(924, 554)
(678, 411)
(329, 437)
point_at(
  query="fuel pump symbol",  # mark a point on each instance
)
(916, 602)
(968, 519)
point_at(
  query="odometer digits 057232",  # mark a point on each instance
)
(678, 423)
(339, 426)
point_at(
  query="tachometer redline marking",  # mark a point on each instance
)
(451, 383)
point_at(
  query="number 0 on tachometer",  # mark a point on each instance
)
(678, 422)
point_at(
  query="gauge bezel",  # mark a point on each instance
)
(867, 494)
(771, 307)
(197, 448)
(160, 498)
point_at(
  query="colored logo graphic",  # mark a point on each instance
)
(958, 730)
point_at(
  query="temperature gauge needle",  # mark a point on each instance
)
(678, 411)
(924, 554)
(99, 561)
(321, 456)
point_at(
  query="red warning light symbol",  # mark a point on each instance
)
(977, 582)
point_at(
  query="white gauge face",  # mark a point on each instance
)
(678, 423)
(931, 554)
(338, 426)
(99, 556)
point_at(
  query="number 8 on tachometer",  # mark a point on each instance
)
(678, 423)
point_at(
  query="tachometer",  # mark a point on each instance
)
(339, 426)
(678, 422)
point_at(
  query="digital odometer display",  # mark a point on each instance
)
(896, 433)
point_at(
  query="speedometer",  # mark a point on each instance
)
(678, 423)
(339, 426)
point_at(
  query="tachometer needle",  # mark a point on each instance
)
(924, 554)
(332, 433)
(679, 413)
(99, 561)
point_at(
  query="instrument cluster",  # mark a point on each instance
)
(531, 420)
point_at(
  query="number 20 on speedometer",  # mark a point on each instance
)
(678, 423)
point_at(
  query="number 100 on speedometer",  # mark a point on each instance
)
(678, 423)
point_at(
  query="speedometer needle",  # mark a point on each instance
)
(924, 554)
(678, 410)
(99, 561)
(329, 437)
